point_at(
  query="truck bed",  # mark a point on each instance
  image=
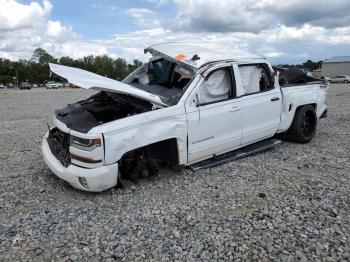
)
(294, 96)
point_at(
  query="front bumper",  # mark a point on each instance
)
(98, 179)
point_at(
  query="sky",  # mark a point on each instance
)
(290, 31)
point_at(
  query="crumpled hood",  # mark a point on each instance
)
(88, 80)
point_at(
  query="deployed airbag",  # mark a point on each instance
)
(251, 76)
(216, 87)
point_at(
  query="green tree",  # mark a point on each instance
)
(136, 64)
(36, 70)
(312, 65)
(66, 60)
(120, 69)
(6, 79)
(42, 57)
(104, 65)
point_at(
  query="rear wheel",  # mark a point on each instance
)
(304, 125)
(346, 81)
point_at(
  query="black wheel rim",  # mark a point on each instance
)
(308, 124)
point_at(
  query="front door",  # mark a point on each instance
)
(214, 116)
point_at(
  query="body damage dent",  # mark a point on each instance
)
(123, 141)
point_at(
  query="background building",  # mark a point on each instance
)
(339, 65)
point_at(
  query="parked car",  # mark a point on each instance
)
(10, 85)
(73, 86)
(35, 86)
(340, 79)
(2, 86)
(187, 106)
(325, 79)
(25, 85)
(53, 85)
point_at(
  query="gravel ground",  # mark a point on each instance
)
(290, 203)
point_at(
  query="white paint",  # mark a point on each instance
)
(201, 131)
(98, 179)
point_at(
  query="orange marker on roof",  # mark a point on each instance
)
(180, 57)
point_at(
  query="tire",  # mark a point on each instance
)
(304, 125)
(346, 81)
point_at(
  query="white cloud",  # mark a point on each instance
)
(56, 30)
(257, 15)
(78, 49)
(261, 26)
(14, 15)
(27, 28)
(218, 16)
(156, 2)
(144, 17)
(274, 43)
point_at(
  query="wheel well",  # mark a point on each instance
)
(145, 161)
(165, 150)
(313, 104)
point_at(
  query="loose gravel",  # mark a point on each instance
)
(290, 203)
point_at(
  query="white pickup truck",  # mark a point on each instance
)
(187, 106)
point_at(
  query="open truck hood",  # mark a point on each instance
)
(88, 80)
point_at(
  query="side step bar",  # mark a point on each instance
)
(235, 155)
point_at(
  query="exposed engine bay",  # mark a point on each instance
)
(100, 108)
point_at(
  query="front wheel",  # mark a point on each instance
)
(304, 125)
(346, 81)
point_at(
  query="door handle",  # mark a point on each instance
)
(235, 108)
(275, 99)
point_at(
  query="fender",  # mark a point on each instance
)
(296, 96)
(120, 142)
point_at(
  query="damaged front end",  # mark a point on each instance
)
(59, 145)
(100, 108)
(90, 149)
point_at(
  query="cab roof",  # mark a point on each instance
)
(197, 56)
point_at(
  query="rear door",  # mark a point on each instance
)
(261, 103)
(214, 116)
